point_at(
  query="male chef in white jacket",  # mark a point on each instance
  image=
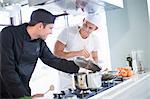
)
(77, 41)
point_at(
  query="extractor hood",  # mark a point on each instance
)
(5, 3)
(90, 6)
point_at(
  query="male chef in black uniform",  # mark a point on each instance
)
(21, 46)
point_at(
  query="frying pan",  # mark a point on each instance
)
(87, 64)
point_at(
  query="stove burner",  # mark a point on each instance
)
(87, 93)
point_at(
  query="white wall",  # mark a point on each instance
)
(148, 3)
(129, 30)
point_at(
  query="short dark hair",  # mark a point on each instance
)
(41, 15)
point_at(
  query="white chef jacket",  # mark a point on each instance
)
(74, 42)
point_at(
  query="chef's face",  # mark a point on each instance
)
(87, 29)
(46, 29)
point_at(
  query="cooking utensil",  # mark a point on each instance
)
(107, 76)
(51, 88)
(94, 80)
(91, 80)
(87, 64)
(80, 80)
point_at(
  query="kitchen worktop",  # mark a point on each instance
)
(136, 87)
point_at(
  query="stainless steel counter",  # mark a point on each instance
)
(137, 87)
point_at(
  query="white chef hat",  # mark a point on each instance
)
(94, 19)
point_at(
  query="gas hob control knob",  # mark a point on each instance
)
(63, 92)
(70, 90)
(57, 96)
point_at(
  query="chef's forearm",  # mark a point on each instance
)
(60, 64)
(67, 55)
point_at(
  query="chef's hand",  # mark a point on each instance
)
(85, 53)
(37, 96)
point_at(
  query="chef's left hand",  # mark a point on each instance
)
(36, 96)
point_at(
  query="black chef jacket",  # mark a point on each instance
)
(19, 55)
